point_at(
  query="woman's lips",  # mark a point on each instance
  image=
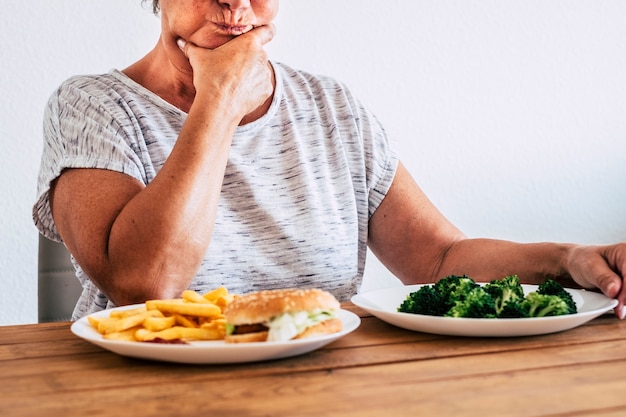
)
(235, 30)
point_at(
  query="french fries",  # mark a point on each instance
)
(185, 308)
(192, 317)
(178, 332)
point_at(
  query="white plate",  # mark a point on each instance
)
(384, 304)
(212, 352)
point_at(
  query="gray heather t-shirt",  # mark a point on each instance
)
(300, 185)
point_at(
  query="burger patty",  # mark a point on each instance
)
(249, 328)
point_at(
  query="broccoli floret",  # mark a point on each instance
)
(454, 288)
(513, 310)
(476, 303)
(424, 301)
(542, 305)
(551, 287)
(508, 295)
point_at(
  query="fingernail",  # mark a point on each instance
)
(622, 313)
(181, 44)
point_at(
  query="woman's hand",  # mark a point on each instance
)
(238, 71)
(602, 267)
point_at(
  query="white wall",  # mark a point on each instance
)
(510, 113)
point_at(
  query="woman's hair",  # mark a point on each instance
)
(155, 6)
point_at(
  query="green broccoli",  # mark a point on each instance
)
(437, 299)
(551, 287)
(454, 288)
(461, 296)
(508, 295)
(543, 305)
(424, 301)
(476, 303)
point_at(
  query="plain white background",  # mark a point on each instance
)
(511, 114)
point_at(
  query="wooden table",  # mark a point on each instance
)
(378, 370)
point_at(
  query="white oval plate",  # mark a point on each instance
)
(384, 303)
(211, 352)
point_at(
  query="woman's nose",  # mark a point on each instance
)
(235, 4)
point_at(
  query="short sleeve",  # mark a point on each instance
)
(378, 153)
(381, 162)
(84, 127)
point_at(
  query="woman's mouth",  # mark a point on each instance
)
(234, 30)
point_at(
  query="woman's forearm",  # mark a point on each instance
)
(488, 259)
(172, 219)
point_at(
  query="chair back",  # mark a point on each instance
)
(58, 288)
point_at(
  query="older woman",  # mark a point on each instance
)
(206, 164)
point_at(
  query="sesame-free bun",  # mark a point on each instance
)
(261, 306)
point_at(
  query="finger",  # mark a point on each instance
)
(620, 309)
(182, 45)
(616, 257)
(610, 284)
(264, 34)
(614, 287)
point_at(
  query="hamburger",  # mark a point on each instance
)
(280, 315)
